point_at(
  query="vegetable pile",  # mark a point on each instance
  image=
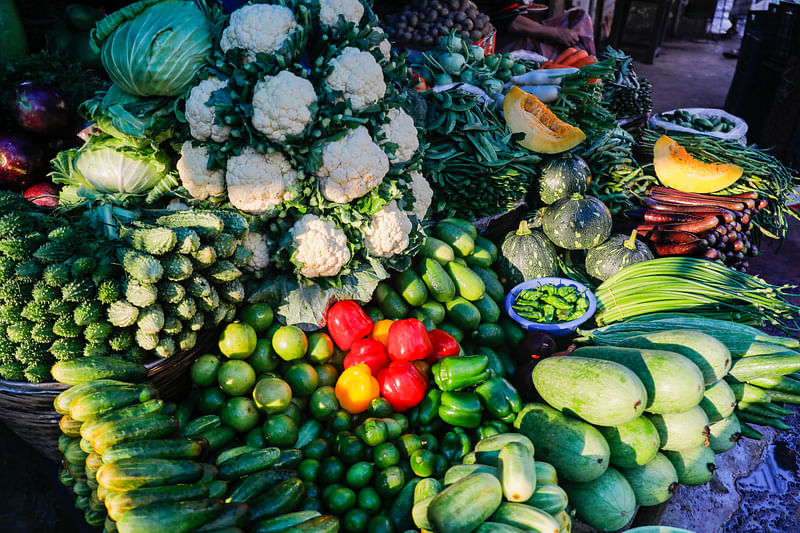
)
(549, 304)
(627, 95)
(423, 22)
(686, 119)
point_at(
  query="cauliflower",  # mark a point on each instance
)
(176, 204)
(400, 130)
(258, 28)
(281, 105)
(195, 176)
(387, 233)
(260, 182)
(384, 47)
(321, 247)
(201, 116)
(358, 76)
(329, 11)
(259, 245)
(351, 166)
(423, 194)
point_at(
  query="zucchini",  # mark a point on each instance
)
(174, 517)
(151, 426)
(525, 517)
(118, 503)
(177, 448)
(464, 505)
(517, 471)
(83, 369)
(284, 521)
(128, 474)
(279, 499)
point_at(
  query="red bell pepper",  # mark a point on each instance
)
(408, 340)
(402, 385)
(444, 345)
(368, 351)
(347, 322)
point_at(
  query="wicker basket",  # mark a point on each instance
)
(27, 408)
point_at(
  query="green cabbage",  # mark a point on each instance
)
(154, 47)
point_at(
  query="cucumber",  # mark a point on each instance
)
(248, 463)
(490, 282)
(217, 489)
(400, 510)
(152, 426)
(458, 472)
(525, 517)
(437, 250)
(440, 285)
(487, 451)
(464, 225)
(118, 503)
(462, 313)
(632, 444)
(480, 257)
(230, 453)
(174, 517)
(489, 310)
(90, 427)
(468, 284)
(255, 484)
(462, 242)
(606, 503)
(761, 366)
(64, 399)
(74, 454)
(434, 310)
(419, 513)
(489, 246)
(83, 369)
(778, 383)
(779, 396)
(70, 427)
(93, 463)
(718, 401)
(218, 437)
(289, 458)
(279, 523)
(201, 424)
(390, 302)
(279, 499)
(94, 403)
(489, 334)
(177, 448)
(514, 333)
(517, 471)
(464, 505)
(128, 474)
(320, 524)
(411, 287)
(724, 435)
(233, 515)
(452, 330)
(546, 473)
(549, 498)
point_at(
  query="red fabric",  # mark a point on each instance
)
(574, 19)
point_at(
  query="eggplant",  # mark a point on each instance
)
(22, 161)
(523, 380)
(39, 108)
(533, 344)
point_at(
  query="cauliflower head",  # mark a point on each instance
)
(359, 76)
(201, 116)
(321, 247)
(258, 28)
(281, 105)
(259, 245)
(195, 176)
(260, 182)
(329, 11)
(388, 230)
(384, 47)
(351, 166)
(400, 130)
(423, 194)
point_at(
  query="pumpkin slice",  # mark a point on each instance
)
(676, 168)
(544, 132)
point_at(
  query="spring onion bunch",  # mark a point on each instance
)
(697, 286)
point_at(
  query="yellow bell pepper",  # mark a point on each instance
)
(380, 331)
(355, 388)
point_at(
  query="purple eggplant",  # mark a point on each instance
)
(22, 161)
(38, 108)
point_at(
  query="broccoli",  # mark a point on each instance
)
(87, 312)
(109, 291)
(65, 326)
(120, 340)
(97, 331)
(64, 349)
(56, 275)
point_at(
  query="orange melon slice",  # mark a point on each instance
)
(544, 132)
(677, 169)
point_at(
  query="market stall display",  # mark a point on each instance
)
(274, 202)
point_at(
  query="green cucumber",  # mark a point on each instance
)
(452, 330)
(488, 308)
(549, 498)
(118, 503)
(390, 302)
(89, 427)
(230, 453)
(468, 284)
(233, 515)
(248, 463)
(94, 403)
(489, 334)
(525, 517)
(546, 473)
(320, 524)
(497, 527)
(718, 401)
(279, 523)
(218, 437)
(411, 287)
(138, 428)
(461, 241)
(488, 245)
(201, 424)
(434, 310)
(279, 499)
(778, 383)
(128, 474)
(175, 517)
(439, 283)
(437, 250)
(83, 369)
(426, 488)
(419, 514)
(744, 392)
(464, 225)
(462, 313)
(681, 431)
(400, 510)
(490, 282)
(255, 484)
(761, 366)
(464, 505)
(480, 257)
(177, 448)
(517, 471)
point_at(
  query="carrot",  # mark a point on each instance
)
(574, 58)
(565, 54)
(588, 60)
(546, 64)
(555, 65)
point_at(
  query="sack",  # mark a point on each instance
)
(738, 133)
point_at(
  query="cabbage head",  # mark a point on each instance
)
(154, 47)
(114, 166)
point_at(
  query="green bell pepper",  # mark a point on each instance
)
(429, 407)
(500, 398)
(461, 409)
(455, 373)
(492, 427)
(455, 445)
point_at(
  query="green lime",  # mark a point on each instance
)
(263, 358)
(380, 524)
(423, 462)
(331, 470)
(258, 315)
(327, 375)
(236, 378)
(386, 455)
(320, 347)
(369, 500)
(303, 379)
(204, 370)
(359, 475)
(272, 395)
(240, 413)
(389, 481)
(210, 400)
(255, 438)
(341, 500)
(280, 430)
(323, 403)
(290, 343)
(308, 469)
(237, 340)
(356, 520)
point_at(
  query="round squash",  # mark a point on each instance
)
(577, 223)
(525, 255)
(605, 260)
(562, 177)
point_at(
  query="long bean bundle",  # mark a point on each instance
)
(763, 173)
(697, 286)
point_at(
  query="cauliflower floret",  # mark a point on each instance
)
(329, 11)
(358, 76)
(258, 28)
(384, 47)
(260, 182)
(259, 245)
(423, 194)
(201, 116)
(321, 247)
(387, 233)
(351, 166)
(400, 130)
(281, 105)
(195, 176)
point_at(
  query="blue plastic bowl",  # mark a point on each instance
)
(556, 329)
